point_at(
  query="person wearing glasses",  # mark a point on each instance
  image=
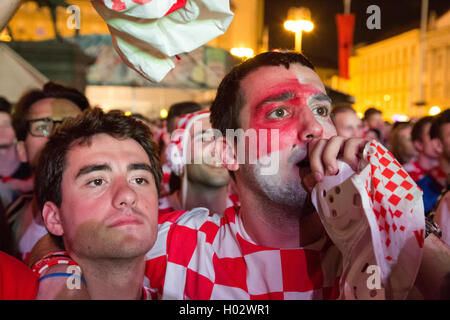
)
(36, 115)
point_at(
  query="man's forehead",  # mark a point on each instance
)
(55, 108)
(267, 78)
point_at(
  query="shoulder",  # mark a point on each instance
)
(17, 281)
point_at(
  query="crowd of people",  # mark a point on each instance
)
(177, 209)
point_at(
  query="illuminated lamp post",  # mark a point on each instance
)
(299, 20)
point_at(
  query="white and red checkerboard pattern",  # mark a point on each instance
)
(203, 256)
(199, 256)
(375, 217)
(415, 170)
(167, 205)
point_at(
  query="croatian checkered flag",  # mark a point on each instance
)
(150, 34)
(376, 218)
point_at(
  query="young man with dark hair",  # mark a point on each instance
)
(427, 154)
(97, 185)
(275, 246)
(36, 115)
(372, 118)
(438, 177)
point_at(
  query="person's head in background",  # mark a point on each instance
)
(420, 134)
(176, 111)
(7, 135)
(151, 124)
(440, 135)
(191, 159)
(401, 142)
(346, 121)
(39, 111)
(373, 118)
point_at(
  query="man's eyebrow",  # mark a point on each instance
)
(320, 97)
(139, 166)
(91, 168)
(277, 97)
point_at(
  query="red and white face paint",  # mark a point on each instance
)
(292, 103)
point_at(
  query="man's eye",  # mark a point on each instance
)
(141, 181)
(96, 182)
(277, 114)
(321, 111)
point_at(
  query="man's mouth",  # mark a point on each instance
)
(304, 163)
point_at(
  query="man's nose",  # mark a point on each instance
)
(310, 128)
(124, 197)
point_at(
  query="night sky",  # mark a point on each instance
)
(320, 45)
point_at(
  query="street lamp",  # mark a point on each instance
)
(299, 20)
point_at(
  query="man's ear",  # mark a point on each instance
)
(437, 144)
(418, 145)
(52, 218)
(225, 151)
(21, 151)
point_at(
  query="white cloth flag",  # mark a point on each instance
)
(149, 34)
(376, 218)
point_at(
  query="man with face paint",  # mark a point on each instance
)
(36, 115)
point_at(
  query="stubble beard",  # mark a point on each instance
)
(283, 189)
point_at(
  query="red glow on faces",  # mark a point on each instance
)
(298, 118)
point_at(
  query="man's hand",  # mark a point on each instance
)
(324, 153)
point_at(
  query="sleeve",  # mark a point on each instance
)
(148, 35)
(375, 217)
(17, 281)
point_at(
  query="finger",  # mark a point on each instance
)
(352, 153)
(331, 153)
(309, 182)
(315, 159)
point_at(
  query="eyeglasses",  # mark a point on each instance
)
(42, 127)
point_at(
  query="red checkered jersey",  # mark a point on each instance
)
(171, 203)
(415, 170)
(17, 281)
(203, 256)
(164, 189)
(439, 175)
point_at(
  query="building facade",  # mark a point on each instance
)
(386, 75)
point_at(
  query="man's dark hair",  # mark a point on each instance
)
(50, 90)
(438, 121)
(340, 108)
(178, 110)
(79, 131)
(417, 130)
(370, 112)
(5, 105)
(229, 99)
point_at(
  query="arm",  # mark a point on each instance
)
(7, 10)
(55, 288)
(433, 278)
